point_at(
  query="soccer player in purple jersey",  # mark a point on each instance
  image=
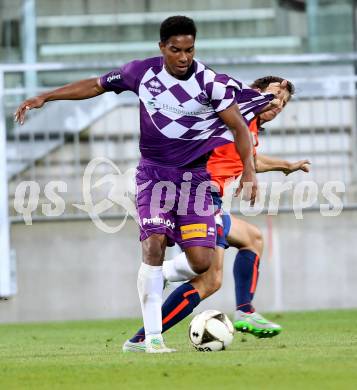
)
(186, 110)
(224, 165)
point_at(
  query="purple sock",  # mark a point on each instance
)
(178, 305)
(245, 272)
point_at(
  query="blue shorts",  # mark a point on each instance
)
(223, 222)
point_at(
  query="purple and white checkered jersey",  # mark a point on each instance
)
(178, 118)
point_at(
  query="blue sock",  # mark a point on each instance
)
(178, 305)
(245, 272)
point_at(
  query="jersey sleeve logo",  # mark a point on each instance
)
(113, 77)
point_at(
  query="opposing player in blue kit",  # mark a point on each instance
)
(186, 110)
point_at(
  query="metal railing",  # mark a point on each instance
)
(42, 164)
(58, 141)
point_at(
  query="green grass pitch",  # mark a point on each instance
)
(317, 350)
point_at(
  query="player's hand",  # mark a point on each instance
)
(29, 104)
(248, 186)
(303, 165)
(278, 90)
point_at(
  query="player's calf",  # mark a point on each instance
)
(211, 281)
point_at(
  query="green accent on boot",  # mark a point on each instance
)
(256, 325)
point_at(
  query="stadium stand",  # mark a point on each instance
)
(118, 31)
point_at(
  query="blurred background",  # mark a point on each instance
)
(63, 266)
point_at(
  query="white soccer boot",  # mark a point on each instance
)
(129, 346)
(155, 344)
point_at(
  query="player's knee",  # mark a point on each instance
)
(200, 258)
(201, 263)
(256, 241)
(153, 250)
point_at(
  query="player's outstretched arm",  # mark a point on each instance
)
(266, 164)
(234, 120)
(83, 89)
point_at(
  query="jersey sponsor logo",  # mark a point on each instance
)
(180, 111)
(211, 231)
(158, 221)
(113, 77)
(194, 230)
(175, 110)
(151, 103)
(155, 86)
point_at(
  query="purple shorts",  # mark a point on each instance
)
(176, 202)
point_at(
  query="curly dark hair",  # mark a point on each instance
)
(263, 83)
(177, 25)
